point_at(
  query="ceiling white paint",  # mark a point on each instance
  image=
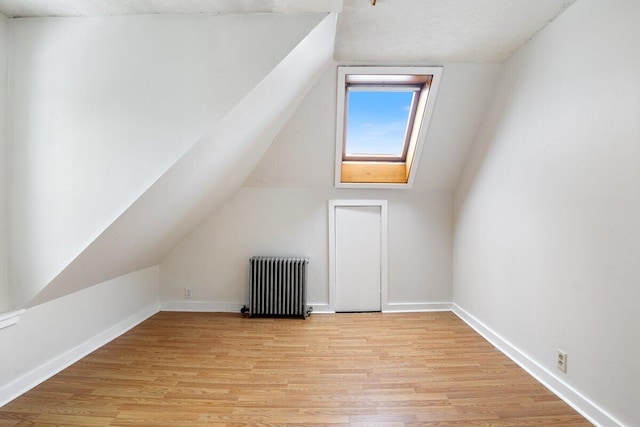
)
(205, 177)
(38, 8)
(393, 30)
(402, 31)
(436, 30)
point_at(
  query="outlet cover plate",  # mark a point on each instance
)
(562, 360)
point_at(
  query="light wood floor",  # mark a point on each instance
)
(193, 369)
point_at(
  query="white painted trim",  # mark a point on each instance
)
(10, 318)
(57, 364)
(321, 308)
(409, 307)
(225, 307)
(318, 308)
(384, 247)
(202, 306)
(343, 70)
(586, 407)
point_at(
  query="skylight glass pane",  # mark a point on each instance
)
(377, 122)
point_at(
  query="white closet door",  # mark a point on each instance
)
(358, 258)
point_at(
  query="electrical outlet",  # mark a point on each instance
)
(188, 293)
(562, 360)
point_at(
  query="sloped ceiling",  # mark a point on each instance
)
(37, 8)
(392, 30)
(398, 31)
(303, 154)
(201, 181)
(436, 30)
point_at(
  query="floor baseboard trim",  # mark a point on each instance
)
(203, 306)
(587, 408)
(48, 369)
(223, 307)
(321, 309)
(412, 307)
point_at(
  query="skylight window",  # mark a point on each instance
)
(382, 115)
(378, 123)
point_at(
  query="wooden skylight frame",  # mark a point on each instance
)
(385, 171)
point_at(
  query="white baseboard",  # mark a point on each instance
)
(395, 307)
(408, 307)
(321, 309)
(203, 306)
(557, 386)
(223, 307)
(52, 367)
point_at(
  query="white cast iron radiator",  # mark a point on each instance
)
(278, 287)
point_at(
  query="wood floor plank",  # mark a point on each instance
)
(371, 369)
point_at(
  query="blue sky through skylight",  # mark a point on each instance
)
(376, 122)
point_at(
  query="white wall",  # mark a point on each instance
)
(5, 296)
(103, 106)
(303, 155)
(283, 207)
(202, 180)
(547, 235)
(53, 335)
(214, 259)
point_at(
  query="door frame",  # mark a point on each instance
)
(384, 255)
